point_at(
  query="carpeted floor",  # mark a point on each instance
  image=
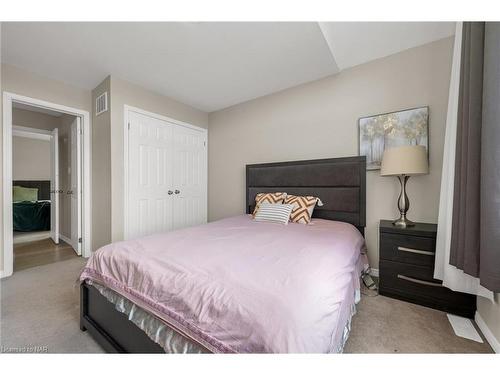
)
(40, 308)
(386, 325)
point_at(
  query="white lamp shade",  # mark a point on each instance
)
(407, 160)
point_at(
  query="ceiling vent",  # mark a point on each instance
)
(101, 104)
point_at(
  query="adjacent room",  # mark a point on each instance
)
(245, 187)
(44, 186)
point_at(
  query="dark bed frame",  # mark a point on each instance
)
(341, 185)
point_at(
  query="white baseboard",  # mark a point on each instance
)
(30, 236)
(374, 272)
(65, 239)
(490, 337)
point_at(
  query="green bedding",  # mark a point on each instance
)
(31, 216)
(23, 194)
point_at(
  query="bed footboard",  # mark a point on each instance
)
(110, 328)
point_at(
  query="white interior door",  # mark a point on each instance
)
(150, 191)
(76, 186)
(54, 186)
(190, 177)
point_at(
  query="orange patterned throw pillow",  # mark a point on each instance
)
(303, 208)
(268, 198)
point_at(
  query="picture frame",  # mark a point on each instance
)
(392, 129)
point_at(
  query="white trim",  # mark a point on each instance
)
(126, 109)
(374, 272)
(65, 239)
(25, 132)
(54, 186)
(490, 337)
(8, 99)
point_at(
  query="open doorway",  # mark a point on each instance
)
(46, 157)
(46, 176)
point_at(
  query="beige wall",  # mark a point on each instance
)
(37, 120)
(22, 82)
(18, 81)
(123, 92)
(319, 120)
(30, 159)
(101, 171)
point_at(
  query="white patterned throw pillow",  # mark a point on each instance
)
(274, 213)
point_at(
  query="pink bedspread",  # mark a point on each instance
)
(236, 285)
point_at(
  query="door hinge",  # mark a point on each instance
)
(204, 143)
(80, 240)
(129, 126)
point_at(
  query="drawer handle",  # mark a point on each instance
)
(417, 281)
(416, 251)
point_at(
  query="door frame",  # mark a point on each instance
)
(126, 109)
(8, 100)
(77, 149)
(33, 133)
(55, 229)
(41, 135)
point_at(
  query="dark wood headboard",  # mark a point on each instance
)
(340, 183)
(42, 186)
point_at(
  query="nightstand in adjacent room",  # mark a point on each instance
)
(406, 269)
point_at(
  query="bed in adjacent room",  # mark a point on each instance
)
(238, 285)
(31, 206)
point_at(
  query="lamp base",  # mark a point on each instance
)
(403, 222)
(403, 205)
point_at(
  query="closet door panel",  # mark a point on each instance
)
(150, 175)
(190, 179)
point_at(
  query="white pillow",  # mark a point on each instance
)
(274, 213)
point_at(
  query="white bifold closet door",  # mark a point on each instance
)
(167, 176)
(189, 177)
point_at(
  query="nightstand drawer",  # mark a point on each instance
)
(407, 249)
(416, 284)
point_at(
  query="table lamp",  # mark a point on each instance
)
(403, 162)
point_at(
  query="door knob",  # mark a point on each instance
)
(170, 192)
(177, 191)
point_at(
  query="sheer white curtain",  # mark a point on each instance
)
(452, 277)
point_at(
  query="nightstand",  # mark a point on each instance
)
(406, 269)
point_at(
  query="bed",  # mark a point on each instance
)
(31, 216)
(237, 285)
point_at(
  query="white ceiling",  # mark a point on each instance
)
(209, 66)
(354, 43)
